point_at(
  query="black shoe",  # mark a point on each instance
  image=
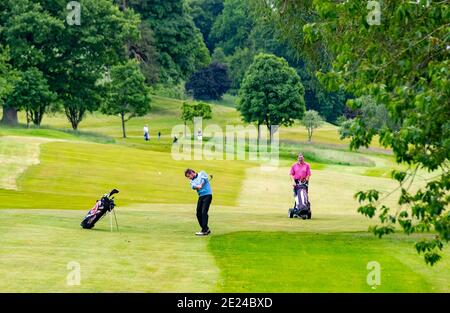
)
(207, 232)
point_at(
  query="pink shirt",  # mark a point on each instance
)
(300, 171)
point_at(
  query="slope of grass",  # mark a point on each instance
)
(73, 175)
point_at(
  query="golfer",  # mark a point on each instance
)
(146, 133)
(200, 182)
(300, 172)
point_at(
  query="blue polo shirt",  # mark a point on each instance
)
(201, 179)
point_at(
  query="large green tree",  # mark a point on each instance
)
(128, 95)
(271, 93)
(31, 33)
(31, 92)
(72, 58)
(399, 56)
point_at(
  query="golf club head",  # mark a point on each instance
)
(113, 192)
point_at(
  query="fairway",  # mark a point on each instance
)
(254, 246)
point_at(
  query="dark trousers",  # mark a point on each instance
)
(203, 204)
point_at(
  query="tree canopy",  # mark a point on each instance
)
(209, 83)
(128, 96)
(271, 93)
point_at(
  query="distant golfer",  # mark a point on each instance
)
(146, 133)
(300, 172)
(200, 182)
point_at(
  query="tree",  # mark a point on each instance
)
(190, 111)
(179, 44)
(271, 93)
(204, 14)
(72, 58)
(128, 94)
(28, 31)
(218, 56)
(7, 78)
(238, 64)
(232, 27)
(31, 92)
(311, 120)
(144, 51)
(402, 62)
(209, 83)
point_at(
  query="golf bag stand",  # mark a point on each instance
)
(101, 207)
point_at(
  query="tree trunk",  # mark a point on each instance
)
(259, 133)
(309, 134)
(10, 116)
(28, 118)
(185, 129)
(123, 125)
(74, 115)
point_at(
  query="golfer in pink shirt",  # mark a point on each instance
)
(300, 171)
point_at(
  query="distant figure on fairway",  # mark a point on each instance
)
(200, 183)
(300, 172)
(146, 133)
(199, 135)
(159, 136)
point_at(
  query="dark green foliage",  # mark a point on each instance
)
(144, 51)
(209, 83)
(31, 93)
(204, 13)
(179, 43)
(232, 27)
(72, 58)
(191, 111)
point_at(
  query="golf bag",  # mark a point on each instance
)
(105, 204)
(302, 207)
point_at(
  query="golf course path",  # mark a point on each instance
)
(16, 155)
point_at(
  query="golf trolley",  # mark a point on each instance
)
(302, 207)
(105, 204)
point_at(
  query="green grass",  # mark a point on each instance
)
(72, 175)
(305, 262)
(50, 177)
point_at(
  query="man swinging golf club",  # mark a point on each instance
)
(200, 183)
